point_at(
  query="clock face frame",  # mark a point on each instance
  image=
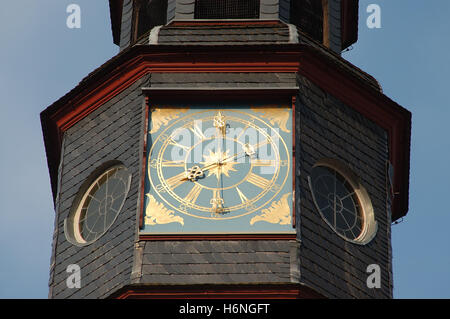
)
(224, 169)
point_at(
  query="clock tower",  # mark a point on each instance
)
(227, 151)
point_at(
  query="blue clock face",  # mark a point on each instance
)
(219, 170)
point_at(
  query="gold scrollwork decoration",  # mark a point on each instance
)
(156, 213)
(276, 116)
(162, 117)
(278, 213)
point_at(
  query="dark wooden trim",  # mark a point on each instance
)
(137, 4)
(225, 94)
(349, 22)
(326, 23)
(265, 291)
(210, 237)
(294, 202)
(144, 164)
(53, 141)
(115, 10)
(230, 22)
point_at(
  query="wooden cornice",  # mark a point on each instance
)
(238, 291)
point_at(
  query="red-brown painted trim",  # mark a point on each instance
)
(114, 86)
(144, 163)
(212, 237)
(294, 99)
(345, 84)
(287, 291)
(239, 23)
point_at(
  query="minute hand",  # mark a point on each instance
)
(249, 150)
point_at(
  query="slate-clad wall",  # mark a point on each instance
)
(329, 129)
(268, 9)
(184, 9)
(171, 5)
(112, 132)
(217, 262)
(334, 16)
(126, 28)
(224, 35)
(285, 10)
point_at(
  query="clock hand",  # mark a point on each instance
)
(249, 150)
(193, 173)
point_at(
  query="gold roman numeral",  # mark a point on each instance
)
(166, 163)
(172, 142)
(197, 131)
(193, 194)
(243, 198)
(258, 181)
(177, 180)
(260, 162)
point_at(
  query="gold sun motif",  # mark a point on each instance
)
(216, 163)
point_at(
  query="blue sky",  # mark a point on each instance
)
(41, 60)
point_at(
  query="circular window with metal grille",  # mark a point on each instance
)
(98, 206)
(342, 202)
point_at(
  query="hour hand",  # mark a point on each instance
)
(193, 173)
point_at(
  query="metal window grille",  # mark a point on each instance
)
(226, 9)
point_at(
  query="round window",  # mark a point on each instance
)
(342, 202)
(99, 206)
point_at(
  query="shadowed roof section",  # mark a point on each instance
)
(349, 21)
